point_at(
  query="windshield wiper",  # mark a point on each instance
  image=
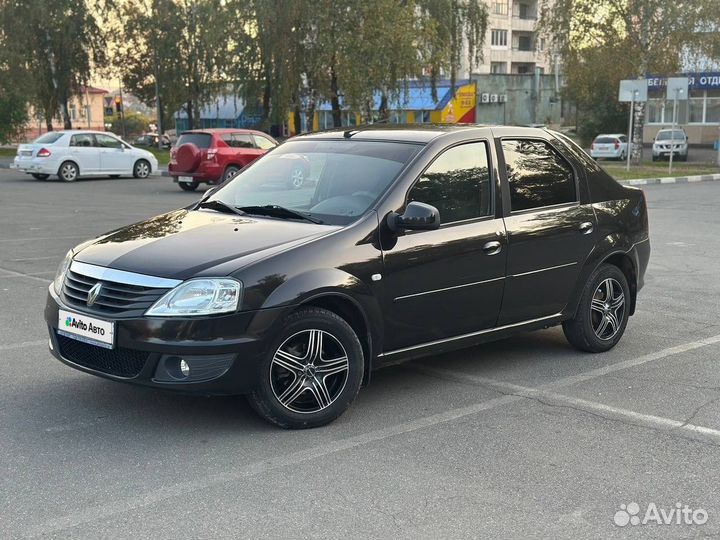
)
(221, 207)
(273, 210)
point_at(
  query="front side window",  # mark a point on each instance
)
(537, 175)
(82, 139)
(335, 181)
(457, 184)
(106, 141)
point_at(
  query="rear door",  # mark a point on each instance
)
(447, 282)
(84, 152)
(550, 226)
(113, 155)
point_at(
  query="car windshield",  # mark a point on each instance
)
(49, 137)
(335, 181)
(667, 135)
(605, 140)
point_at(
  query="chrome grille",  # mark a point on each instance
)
(115, 298)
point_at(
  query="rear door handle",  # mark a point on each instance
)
(492, 248)
(586, 227)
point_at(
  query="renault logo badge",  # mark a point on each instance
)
(93, 294)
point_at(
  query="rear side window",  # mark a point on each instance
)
(49, 138)
(239, 140)
(264, 143)
(538, 176)
(82, 139)
(457, 184)
(201, 140)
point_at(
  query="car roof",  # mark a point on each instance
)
(417, 133)
(610, 135)
(224, 130)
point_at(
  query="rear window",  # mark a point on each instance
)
(49, 138)
(605, 140)
(201, 140)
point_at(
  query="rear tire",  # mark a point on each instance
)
(39, 176)
(191, 186)
(230, 172)
(312, 372)
(602, 313)
(68, 171)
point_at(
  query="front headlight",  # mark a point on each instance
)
(61, 271)
(202, 296)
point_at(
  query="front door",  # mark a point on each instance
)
(550, 230)
(447, 282)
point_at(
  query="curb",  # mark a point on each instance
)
(671, 180)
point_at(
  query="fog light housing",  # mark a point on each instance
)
(187, 369)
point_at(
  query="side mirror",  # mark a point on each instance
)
(417, 217)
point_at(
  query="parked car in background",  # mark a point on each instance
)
(214, 155)
(610, 146)
(75, 153)
(152, 140)
(410, 242)
(670, 140)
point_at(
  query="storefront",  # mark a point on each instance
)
(699, 115)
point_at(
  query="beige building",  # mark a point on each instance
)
(87, 110)
(512, 44)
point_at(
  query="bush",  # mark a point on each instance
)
(135, 124)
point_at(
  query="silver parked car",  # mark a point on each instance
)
(75, 153)
(670, 140)
(612, 146)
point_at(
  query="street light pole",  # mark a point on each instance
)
(630, 125)
(672, 131)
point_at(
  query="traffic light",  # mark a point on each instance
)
(118, 106)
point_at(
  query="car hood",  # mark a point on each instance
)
(184, 243)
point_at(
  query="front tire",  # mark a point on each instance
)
(68, 171)
(602, 313)
(312, 372)
(141, 169)
(38, 176)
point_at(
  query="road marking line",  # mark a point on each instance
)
(546, 397)
(13, 273)
(23, 345)
(130, 503)
(41, 238)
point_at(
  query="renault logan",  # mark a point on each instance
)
(409, 241)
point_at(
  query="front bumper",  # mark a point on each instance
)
(224, 350)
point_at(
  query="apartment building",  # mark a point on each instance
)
(512, 44)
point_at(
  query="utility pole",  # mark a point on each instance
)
(122, 110)
(157, 83)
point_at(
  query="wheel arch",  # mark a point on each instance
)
(69, 160)
(624, 262)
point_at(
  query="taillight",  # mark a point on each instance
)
(617, 145)
(43, 152)
(211, 153)
(592, 146)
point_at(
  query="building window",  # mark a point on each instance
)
(696, 106)
(541, 46)
(712, 109)
(524, 43)
(498, 38)
(498, 67)
(500, 7)
(655, 111)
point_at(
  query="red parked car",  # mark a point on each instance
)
(214, 155)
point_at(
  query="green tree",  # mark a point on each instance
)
(55, 44)
(634, 37)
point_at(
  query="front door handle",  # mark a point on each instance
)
(492, 248)
(586, 227)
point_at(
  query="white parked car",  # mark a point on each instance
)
(611, 146)
(75, 153)
(669, 140)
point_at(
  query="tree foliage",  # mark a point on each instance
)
(53, 46)
(621, 39)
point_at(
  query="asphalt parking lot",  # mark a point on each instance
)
(520, 438)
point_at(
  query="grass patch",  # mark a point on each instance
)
(163, 156)
(650, 169)
(8, 152)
